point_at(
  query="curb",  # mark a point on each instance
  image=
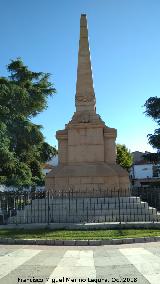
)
(84, 226)
(80, 242)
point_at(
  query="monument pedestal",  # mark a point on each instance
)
(87, 160)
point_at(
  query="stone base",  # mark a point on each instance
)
(88, 180)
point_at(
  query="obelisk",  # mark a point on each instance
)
(86, 147)
(85, 96)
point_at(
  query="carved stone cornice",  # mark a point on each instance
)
(110, 132)
(86, 117)
(62, 134)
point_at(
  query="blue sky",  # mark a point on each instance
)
(125, 52)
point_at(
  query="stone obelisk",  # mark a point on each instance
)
(85, 96)
(86, 147)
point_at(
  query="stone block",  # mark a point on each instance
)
(59, 242)
(81, 242)
(150, 239)
(11, 241)
(85, 136)
(41, 242)
(157, 239)
(139, 240)
(110, 150)
(74, 180)
(128, 241)
(3, 241)
(61, 182)
(94, 242)
(106, 242)
(98, 180)
(85, 153)
(50, 242)
(84, 33)
(63, 151)
(69, 242)
(117, 241)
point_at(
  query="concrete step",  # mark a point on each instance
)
(87, 200)
(85, 206)
(91, 212)
(83, 209)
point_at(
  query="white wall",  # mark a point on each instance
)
(53, 161)
(142, 171)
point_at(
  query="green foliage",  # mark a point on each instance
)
(124, 157)
(153, 110)
(22, 147)
(152, 157)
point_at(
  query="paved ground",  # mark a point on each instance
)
(139, 263)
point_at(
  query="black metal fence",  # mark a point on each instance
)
(100, 205)
(150, 195)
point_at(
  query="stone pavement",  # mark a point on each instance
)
(131, 263)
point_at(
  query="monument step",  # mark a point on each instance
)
(89, 205)
(87, 200)
(92, 212)
(83, 209)
(63, 207)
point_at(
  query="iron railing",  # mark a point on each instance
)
(148, 194)
(96, 206)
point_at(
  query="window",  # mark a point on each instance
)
(156, 171)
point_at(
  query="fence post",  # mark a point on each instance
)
(48, 208)
(119, 207)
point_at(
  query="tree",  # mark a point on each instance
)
(23, 149)
(124, 157)
(153, 110)
(153, 158)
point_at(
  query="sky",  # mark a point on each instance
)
(124, 38)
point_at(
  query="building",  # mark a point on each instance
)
(48, 166)
(143, 172)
